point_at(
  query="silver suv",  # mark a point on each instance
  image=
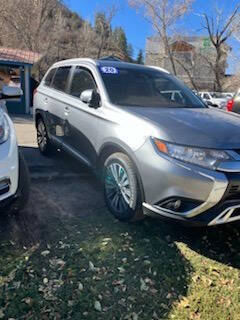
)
(164, 155)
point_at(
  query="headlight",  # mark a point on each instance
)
(208, 158)
(4, 128)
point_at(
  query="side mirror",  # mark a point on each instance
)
(91, 97)
(11, 91)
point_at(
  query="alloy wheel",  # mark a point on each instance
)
(41, 135)
(118, 189)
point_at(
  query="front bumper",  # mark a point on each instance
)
(226, 212)
(208, 192)
(9, 164)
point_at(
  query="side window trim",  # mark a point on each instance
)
(71, 74)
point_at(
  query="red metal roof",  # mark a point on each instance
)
(16, 55)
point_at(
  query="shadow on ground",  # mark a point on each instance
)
(75, 192)
(69, 210)
(71, 214)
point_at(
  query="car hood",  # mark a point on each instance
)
(201, 127)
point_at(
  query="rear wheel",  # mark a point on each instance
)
(121, 188)
(44, 144)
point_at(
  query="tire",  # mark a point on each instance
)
(44, 144)
(23, 189)
(121, 188)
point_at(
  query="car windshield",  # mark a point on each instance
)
(146, 87)
(217, 95)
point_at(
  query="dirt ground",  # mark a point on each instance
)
(146, 270)
(59, 186)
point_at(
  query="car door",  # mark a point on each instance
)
(57, 103)
(81, 128)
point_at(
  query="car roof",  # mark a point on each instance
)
(116, 63)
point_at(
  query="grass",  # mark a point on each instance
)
(95, 267)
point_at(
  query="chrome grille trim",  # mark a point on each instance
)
(226, 216)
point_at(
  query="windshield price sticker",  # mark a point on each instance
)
(109, 70)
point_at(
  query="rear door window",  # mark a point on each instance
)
(49, 77)
(61, 78)
(82, 80)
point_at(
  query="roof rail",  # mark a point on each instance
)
(158, 68)
(110, 58)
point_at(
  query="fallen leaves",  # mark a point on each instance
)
(57, 263)
(80, 286)
(121, 269)
(184, 303)
(28, 301)
(2, 315)
(146, 262)
(92, 267)
(45, 253)
(143, 286)
(97, 306)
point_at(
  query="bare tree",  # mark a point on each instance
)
(50, 28)
(30, 20)
(102, 29)
(163, 15)
(31, 25)
(219, 31)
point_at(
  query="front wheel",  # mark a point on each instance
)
(121, 188)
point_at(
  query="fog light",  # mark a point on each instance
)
(173, 205)
(179, 205)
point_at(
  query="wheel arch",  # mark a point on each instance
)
(39, 114)
(113, 147)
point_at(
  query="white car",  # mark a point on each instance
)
(216, 99)
(173, 95)
(14, 174)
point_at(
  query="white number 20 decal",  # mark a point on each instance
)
(110, 70)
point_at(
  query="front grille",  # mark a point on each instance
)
(236, 213)
(232, 193)
(234, 189)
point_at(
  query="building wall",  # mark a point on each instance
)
(196, 60)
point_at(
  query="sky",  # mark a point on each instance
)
(138, 29)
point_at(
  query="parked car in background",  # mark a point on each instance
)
(233, 104)
(173, 95)
(156, 156)
(217, 99)
(14, 175)
(228, 95)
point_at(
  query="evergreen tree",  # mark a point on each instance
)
(130, 52)
(124, 48)
(140, 57)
